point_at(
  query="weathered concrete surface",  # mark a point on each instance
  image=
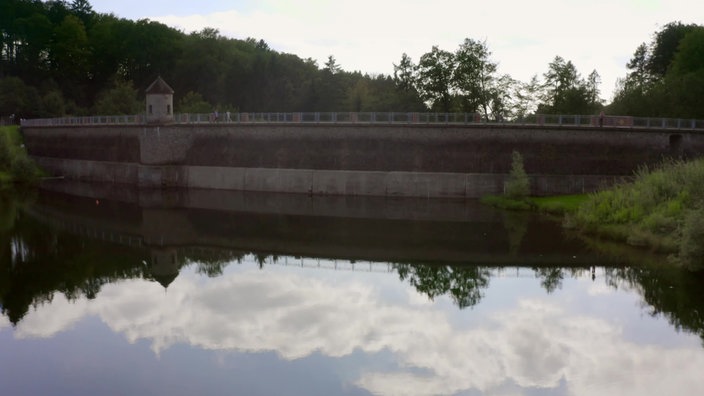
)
(354, 159)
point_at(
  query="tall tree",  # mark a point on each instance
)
(565, 91)
(473, 77)
(331, 65)
(69, 57)
(593, 92)
(404, 73)
(664, 47)
(434, 78)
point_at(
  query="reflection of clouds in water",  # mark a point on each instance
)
(4, 322)
(534, 344)
(600, 289)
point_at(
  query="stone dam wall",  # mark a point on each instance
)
(421, 160)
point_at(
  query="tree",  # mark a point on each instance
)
(690, 53)
(193, 102)
(404, 73)
(565, 91)
(666, 79)
(434, 78)
(639, 76)
(121, 99)
(526, 97)
(331, 65)
(517, 185)
(53, 104)
(473, 77)
(664, 47)
(69, 57)
(593, 82)
(18, 98)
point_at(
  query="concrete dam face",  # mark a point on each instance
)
(453, 161)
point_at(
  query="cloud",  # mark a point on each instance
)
(535, 343)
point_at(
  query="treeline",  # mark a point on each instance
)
(62, 58)
(666, 76)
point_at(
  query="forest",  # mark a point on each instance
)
(60, 58)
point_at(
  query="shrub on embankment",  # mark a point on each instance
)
(663, 209)
(15, 165)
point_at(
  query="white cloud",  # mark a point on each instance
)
(534, 343)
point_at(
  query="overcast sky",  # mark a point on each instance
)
(371, 35)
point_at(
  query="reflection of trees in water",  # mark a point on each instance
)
(37, 261)
(550, 278)
(464, 284)
(675, 293)
(211, 262)
(516, 224)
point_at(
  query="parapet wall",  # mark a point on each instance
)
(354, 159)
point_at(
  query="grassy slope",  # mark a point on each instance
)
(662, 209)
(652, 211)
(17, 167)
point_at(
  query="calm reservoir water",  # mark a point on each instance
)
(223, 293)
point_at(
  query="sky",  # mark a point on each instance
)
(371, 35)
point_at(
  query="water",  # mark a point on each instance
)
(182, 293)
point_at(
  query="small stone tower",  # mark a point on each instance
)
(160, 102)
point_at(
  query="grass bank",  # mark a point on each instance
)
(15, 165)
(662, 209)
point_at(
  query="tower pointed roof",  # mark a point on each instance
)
(159, 86)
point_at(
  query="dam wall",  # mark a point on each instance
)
(421, 160)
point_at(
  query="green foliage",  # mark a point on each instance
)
(463, 284)
(691, 250)
(24, 169)
(53, 104)
(666, 78)
(504, 202)
(121, 99)
(5, 151)
(654, 210)
(665, 46)
(517, 185)
(193, 103)
(61, 58)
(434, 78)
(15, 165)
(559, 204)
(566, 92)
(65, 57)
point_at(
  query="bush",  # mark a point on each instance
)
(5, 151)
(517, 185)
(24, 170)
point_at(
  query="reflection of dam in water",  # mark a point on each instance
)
(375, 229)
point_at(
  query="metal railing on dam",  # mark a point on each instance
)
(379, 118)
